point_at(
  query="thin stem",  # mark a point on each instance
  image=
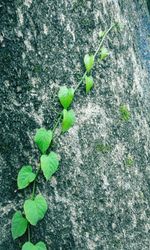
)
(34, 183)
(57, 122)
(101, 43)
(80, 81)
(85, 73)
(60, 116)
(29, 235)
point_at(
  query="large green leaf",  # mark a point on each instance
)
(35, 209)
(18, 225)
(43, 139)
(66, 96)
(49, 164)
(39, 246)
(68, 119)
(89, 62)
(89, 83)
(25, 177)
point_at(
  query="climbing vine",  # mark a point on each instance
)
(35, 207)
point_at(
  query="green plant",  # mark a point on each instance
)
(103, 148)
(35, 206)
(125, 113)
(129, 161)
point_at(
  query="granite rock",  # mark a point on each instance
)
(99, 198)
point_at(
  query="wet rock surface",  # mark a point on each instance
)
(99, 198)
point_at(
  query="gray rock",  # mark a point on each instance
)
(99, 198)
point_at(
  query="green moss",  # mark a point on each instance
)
(103, 148)
(37, 68)
(141, 195)
(129, 162)
(125, 113)
(78, 3)
(87, 23)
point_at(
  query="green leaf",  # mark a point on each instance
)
(89, 62)
(49, 164)
(68, 119)
(101, 34)
(35, 209)
(65, 96)
(89, 83)
(43, 139)
(25, 177)
(104, 53)
(18, 225)
(41, 246)
(29, 246)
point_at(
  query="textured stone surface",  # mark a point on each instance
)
(96, 201)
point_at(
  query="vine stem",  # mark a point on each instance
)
(60, 116)
(80, 81)
(34, 183)
(99, 47)
(29, 235)
(85, 73)
(32, 197)
(103, 38)
(57, 122)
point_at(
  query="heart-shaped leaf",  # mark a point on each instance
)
(89, 83)
(104, 53)
(65, 96)
(25, 177)
(68, 119)
(35, 209)
(89, 62)
(39, 246)
(29, 246)
(49, 164)
(18, 225)
(101, 34)
(43, 139)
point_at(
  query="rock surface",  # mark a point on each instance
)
(98, 200)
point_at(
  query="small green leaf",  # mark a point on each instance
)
(18, 225)
(68, 119)
(89, 83)
(104, 53)
(49, 164)
(65, 96)
(25, 177)
(29, 246)
(41, 246)
(35, 209)
(101, 34)
(43, 139)
(89, 62)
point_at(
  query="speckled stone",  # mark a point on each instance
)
(97, 200)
